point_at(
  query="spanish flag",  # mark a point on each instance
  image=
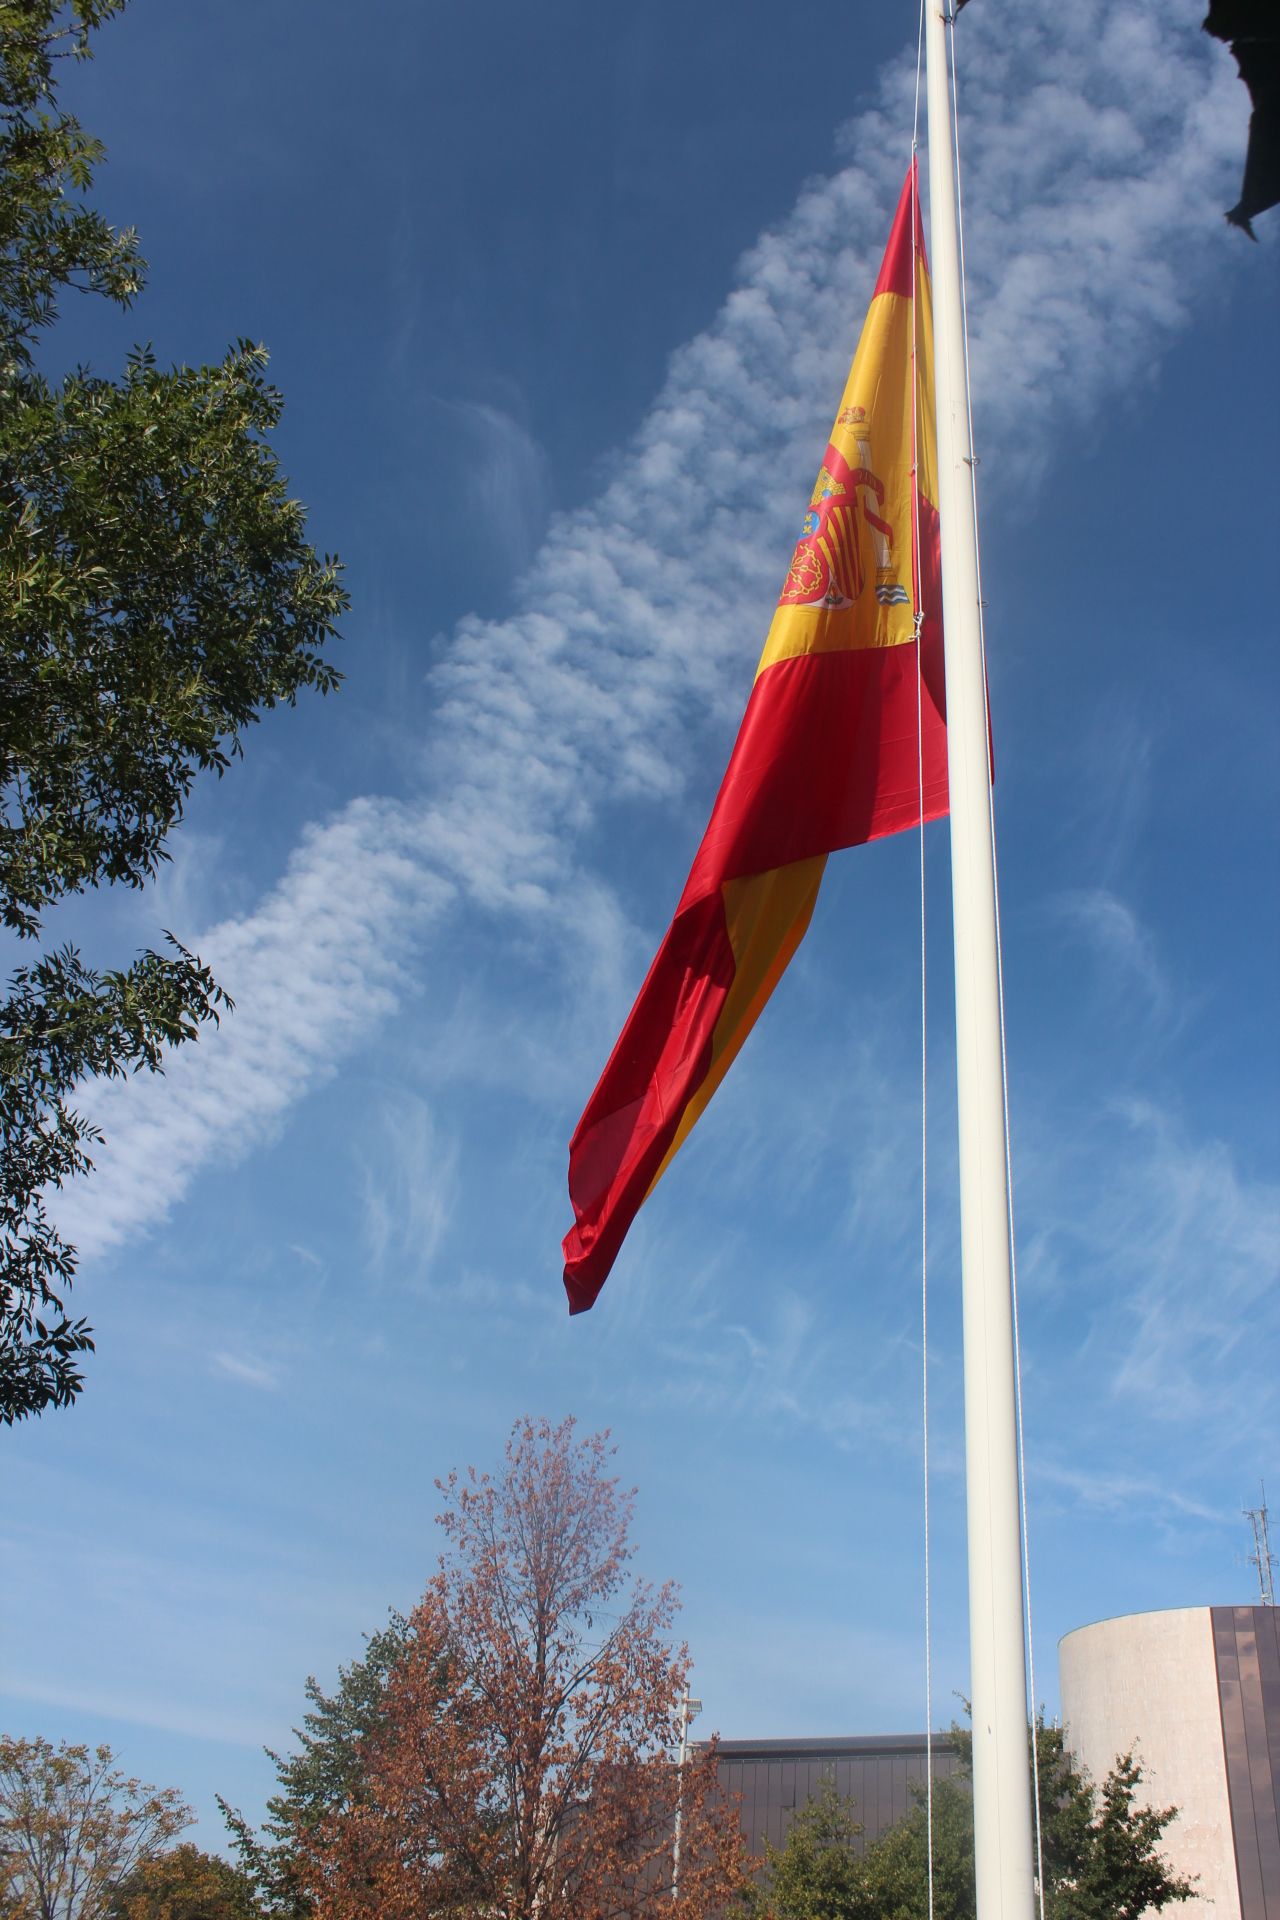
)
(844, 740)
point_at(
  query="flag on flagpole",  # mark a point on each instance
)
(843, 739)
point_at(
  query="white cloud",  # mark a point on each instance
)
(199, 1719)
(1116, 933)
(1113, 793)
(410, 1189)
(310, 970)
(1194, 1246)
(1099, 146)
(1159, 1254)
(123, 1659)
(250, 1372)
(505, 481)
(1093, 200)
(1110, 1491)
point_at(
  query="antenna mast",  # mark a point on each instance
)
(1262, 1557)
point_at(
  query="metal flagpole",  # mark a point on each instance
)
(1001, 1759)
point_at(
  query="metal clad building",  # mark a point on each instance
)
(1246, 1657)
(776, 1778)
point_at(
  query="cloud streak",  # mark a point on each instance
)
(410, 1188)
(1201, 1244)
(638, 616)
(1112, 928)
(249, 1372)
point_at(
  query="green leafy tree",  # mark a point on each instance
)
(1101, 1846)
(1102, 1858)
(157, 595)
(72, 1826)
(824, 1870)
(895, 1873)
(183, 1884)
(817, 1873)
(323, 1776)
(1121, 1873)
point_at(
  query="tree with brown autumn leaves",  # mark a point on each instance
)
(72, 1826)
(183, 1884)
(521, 1766)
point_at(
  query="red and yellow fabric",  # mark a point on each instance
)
(843, 739)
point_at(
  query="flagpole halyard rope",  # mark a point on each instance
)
(918, 597)
(1004, 1055)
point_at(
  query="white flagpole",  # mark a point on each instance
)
(1001, 1761)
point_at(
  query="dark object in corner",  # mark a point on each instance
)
(1252, 30)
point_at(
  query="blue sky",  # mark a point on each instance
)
(562, 305)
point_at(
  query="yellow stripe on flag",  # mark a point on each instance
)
(768, 916)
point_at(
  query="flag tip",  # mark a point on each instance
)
(576, 1302)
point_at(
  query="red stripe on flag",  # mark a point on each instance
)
(826, 757)
(662, 1056)
(895, 269)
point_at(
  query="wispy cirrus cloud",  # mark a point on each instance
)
(502, 462)
(1115, 793)
(1195, 1243)
(249, 1371)
(1157, 1255)
(182, 1564)
(1095, 138)
(1104, 1490)
(410, 1187)
(1123, 944)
